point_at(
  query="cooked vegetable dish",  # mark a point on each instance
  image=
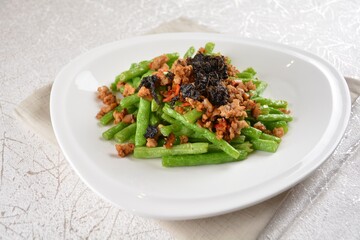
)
(195, 110)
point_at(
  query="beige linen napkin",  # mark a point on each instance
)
(34, 112)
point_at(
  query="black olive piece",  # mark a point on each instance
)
(170, 75)
(173, 101)
(218, 95)
(151, 131)
(208, 72)
(189, 90)
(149, 82)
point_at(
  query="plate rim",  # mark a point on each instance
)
(199, 35)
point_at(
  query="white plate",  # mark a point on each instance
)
(317, 94)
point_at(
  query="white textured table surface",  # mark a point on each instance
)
(40, 195)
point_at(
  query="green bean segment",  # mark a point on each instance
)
(190, 52)
(109, 134)
(125, 134)
(156, 152)
(275, 117)
(108, 117)
(201, 159)
(265, 145)
(209, 47)
(271, 102)
(129, 101)
(142, 122)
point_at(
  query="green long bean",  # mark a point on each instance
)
(270, 137)
(277, 124)
(108, 117)
(135, 71)
(265, 145)
(129, 101)
(251, 132)
(125, 134)
(142, 122)
(201, 159)
(209, 47)
(109, 134)
(193, 115)
(156, 152)
(190, 52)
(154, 119)
(271, 102)
(275, 117)
(168, 119)
(260, 88)
(248, 74)
(246, 146)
